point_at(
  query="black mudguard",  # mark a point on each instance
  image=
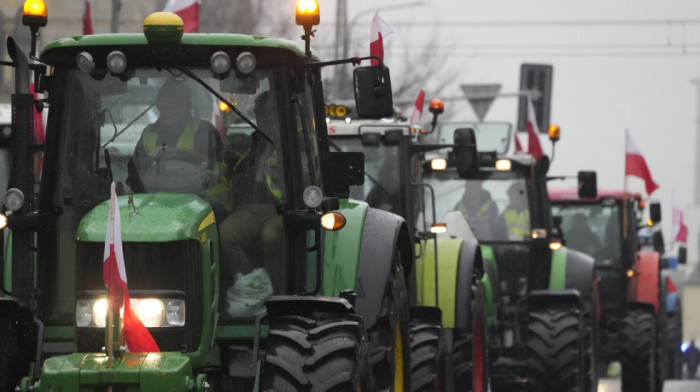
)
(384, 235)
(470, 262)
(580, 272)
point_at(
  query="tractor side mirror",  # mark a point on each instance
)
(655, 212)
(347, 168)
(373, 98)
(464, 152)
(682, 255)
(587, 185)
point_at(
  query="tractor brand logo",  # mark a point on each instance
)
(337, 111)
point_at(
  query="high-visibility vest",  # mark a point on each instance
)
(186, 139)
(480, 212)
(517, 223)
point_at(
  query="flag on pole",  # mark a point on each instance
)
(636, 165)
(87, 19)
(188, 10)
(137, 337)
(379, 30)
(518, 146)
(670, 286)
(533, 140)
(418, 109)
(680, 230)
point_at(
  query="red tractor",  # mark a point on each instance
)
(633, 320)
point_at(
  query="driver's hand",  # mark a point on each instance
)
(203, 166)
(154, 153)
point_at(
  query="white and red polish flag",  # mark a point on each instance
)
(188, 10)
(379, 30)
(533, 139)
(137, 337)
(636, 165)
(418, 109)
(87, 19)
(518, 146)
(680, 230)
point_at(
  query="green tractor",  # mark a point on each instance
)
(247, 263)
(451, 345)
(541, 303)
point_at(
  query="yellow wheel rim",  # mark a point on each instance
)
(398, 359)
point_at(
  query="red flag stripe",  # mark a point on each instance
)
(418, 109)
(136, 336)
(87, 20)
(636, 165)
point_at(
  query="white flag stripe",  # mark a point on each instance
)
(379, 26)
(177, 5)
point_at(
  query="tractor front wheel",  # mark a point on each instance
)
(328, 352)
(638, 352)
(556, 357)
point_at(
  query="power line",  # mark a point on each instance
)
(541, 23)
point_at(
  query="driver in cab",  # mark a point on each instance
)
(175, 135)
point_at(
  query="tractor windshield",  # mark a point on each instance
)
(490, 136)
(381, 188)
(495, 209)
(592, 228)
(157, 132)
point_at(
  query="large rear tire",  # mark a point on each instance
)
(324, 353)
(638, 351)
(554, 343)
(389, 337)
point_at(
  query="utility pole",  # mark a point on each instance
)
(116, 6)
(696, 198)
(341, 36)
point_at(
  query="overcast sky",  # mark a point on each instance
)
(617, 65)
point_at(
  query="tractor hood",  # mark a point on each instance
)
(154, 217)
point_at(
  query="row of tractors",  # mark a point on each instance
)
(310, 254)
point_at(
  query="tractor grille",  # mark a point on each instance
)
(150, 266)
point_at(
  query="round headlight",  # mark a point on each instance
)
(85, 62)
(220, 62)
(6, 131)
(313, 196)
(116, 62)
(245, 63)
(14, 199)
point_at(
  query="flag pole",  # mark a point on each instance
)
(624, 193)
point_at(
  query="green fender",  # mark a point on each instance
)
(571, 269)
(341, 250)
(169, 371)
(448, 254)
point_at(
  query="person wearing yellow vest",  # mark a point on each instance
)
(478, 208)
(515, 218)
(175, 128)
(252, 237)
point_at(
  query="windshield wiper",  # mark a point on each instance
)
(224, 100)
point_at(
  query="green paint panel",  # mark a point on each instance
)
(59, 333)
(187, 39)
(448, 265)
(161, 217)
(341, 250)
(490, 306)
(132, 371)
(488, 255)
(557, 278)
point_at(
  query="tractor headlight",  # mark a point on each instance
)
(153, 312)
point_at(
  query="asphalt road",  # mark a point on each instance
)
(613, 385)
